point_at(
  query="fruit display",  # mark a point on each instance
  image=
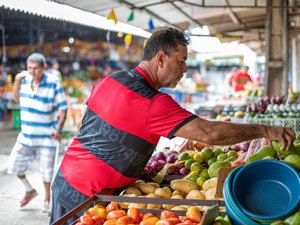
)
(113, 214)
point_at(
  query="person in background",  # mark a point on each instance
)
(125, 117)
(228, 81)
(41, 96)
(240, 79)
(54, 69)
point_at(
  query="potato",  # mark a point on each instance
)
(153, 206)
(168, 206)
(179, 207)
(133, 190)
(195, 194)
(210, 183)
(156, 185)
(210, 194)
(125, 204)
(137, 184)
(176, 192)
(147, 189)
(185, 186)
(163, 192)
(137, 205)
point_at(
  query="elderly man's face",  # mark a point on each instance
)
(174, 67)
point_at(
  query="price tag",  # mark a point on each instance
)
(210, 215)
(222, 174)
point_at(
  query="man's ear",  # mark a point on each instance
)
(160, 58)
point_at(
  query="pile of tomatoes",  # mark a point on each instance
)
(112, 214)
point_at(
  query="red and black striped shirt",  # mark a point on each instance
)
(124, 120)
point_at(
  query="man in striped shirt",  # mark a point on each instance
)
(43, 109)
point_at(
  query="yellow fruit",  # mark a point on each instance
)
(198, 157)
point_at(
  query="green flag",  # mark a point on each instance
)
(131, 16)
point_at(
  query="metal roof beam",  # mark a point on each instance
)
(151, 13)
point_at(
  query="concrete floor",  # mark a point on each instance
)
(12, 191)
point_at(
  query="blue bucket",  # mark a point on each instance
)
(236, 215)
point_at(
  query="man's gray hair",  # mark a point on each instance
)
(37, 57)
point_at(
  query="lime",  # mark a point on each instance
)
(198, 157)
(191, 153)
(204, 173)
(201, 180)
(217, 151)
(212, 160)
(192, 176)
(184, 156)
(232, 153)
(188, 163)
(221, 157)
(196, 166)
(207, 153)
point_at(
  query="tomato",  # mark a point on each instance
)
(98, 210)
(134, 214)
(98, 220)
(87, 220)
(149, 221)
(174, 220)
(194, 214)
(125, 220)
(147, 215)
(116, 214)
(112, 206)
(166, 214)
(186, 220)
(164, 222)
(110, 222)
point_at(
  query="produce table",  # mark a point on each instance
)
(111, 198)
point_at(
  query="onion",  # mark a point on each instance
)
(159, 156)
(235, 147)
(171, 152)
(184, 171)
(245, 145)
(171, 170)
(158, 165)
(179, 166)
(148, 170)
(171, 158)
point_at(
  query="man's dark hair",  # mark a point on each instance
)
(37, 57)
(165, 40)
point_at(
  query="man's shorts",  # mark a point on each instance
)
(21, 157)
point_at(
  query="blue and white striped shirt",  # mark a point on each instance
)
(39, 110)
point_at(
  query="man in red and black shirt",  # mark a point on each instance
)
(125, 117)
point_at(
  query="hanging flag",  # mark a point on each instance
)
(151, 25)
(128, 38)
(112, 16)
(131, 17)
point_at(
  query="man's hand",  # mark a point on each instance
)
(21, 75)
(56, 134)
(283, 134)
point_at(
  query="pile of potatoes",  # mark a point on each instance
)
(179, 189)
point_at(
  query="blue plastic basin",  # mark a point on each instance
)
(236, 215)
(267, 190)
